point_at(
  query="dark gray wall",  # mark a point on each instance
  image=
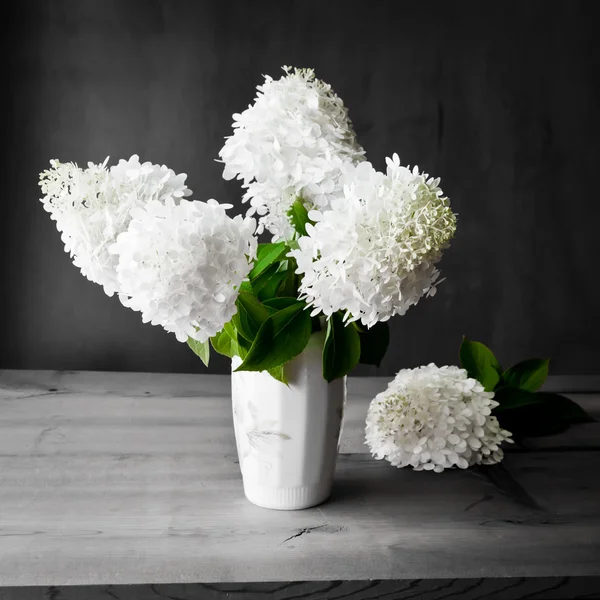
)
(499, 99)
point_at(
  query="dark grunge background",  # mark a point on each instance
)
(499, 99)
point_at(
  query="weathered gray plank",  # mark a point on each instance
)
(52, 412)
(133, 480)
(550, 588)
(16, 381)
(183, 518)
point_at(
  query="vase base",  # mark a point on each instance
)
(294, 498)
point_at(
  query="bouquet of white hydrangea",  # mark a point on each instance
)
(352, 246)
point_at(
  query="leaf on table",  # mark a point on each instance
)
(564, 407)
(480, 363)
(528, 375)
(553, 414)
(510, 397)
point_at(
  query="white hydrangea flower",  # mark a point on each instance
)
(294, 141)
(373, 254)
(432, 419)
(92, 207)
(181, 265)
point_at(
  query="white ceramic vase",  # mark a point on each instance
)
(288, 437)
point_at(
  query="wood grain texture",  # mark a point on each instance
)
(63, 421)
(133, 479)
(550, 588)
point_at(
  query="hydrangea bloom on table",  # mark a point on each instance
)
(432, 418)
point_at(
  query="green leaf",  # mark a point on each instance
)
(243, 347)
(271, 285)
(341, 351)
(263, 279)
(266, 255)
(231, 330)
(480, 363)
(251, 314)
(299, 216)
(281, 302)
(553, 414)
(201, 349)
(530, 421)
(278, 373)
(289, 285)
(236, 347)
(281, 337)
(564, 407)
(374, 343)
(223, 344)
(528, 375)
(246, 286)
(510, 397)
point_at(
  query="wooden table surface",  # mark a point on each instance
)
(132, 478)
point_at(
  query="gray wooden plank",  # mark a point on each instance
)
(577, 384)
(549, 588)
(15, 381)
(61, 410)
(127, 480)
(111, 519)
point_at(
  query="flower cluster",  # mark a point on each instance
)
(92, 207)
(294, 141)
(181, 265)
(366, 243)
(373, 254)
(435, 418)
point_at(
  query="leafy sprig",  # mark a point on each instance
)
(522, 408)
